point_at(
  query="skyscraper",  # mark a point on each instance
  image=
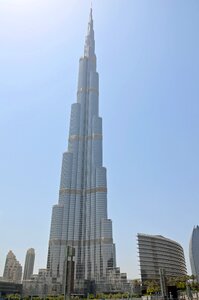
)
(13, 269)
(80, 218)
(194, 252)
(29, 263)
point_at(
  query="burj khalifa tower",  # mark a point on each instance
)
(80, 218)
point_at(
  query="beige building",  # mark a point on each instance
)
(13, 269)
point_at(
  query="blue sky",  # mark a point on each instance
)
(148, 61)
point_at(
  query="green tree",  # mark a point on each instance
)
(152, 286)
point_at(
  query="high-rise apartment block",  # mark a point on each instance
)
(29, 264)
(13, 269)
(80, 218)
(159, 253)
(194, 252)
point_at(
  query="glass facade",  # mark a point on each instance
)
(80, 217)
(194, 252)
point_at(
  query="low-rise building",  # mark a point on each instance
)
(159, 253)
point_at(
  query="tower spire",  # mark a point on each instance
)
(90, 24)
(91, 11)
(89, 49)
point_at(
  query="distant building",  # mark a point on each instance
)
(13, 269)
(116, 282)
(36, 285)
(194, 252)
(29, 264)
(157, 252)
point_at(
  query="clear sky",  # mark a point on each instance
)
(148, 61)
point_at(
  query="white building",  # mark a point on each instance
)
(194, 252)
(157, 252)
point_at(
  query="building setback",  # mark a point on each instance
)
(80, 218)
(157, 252)
(29, 264)
(194, 252)
(13, 269)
